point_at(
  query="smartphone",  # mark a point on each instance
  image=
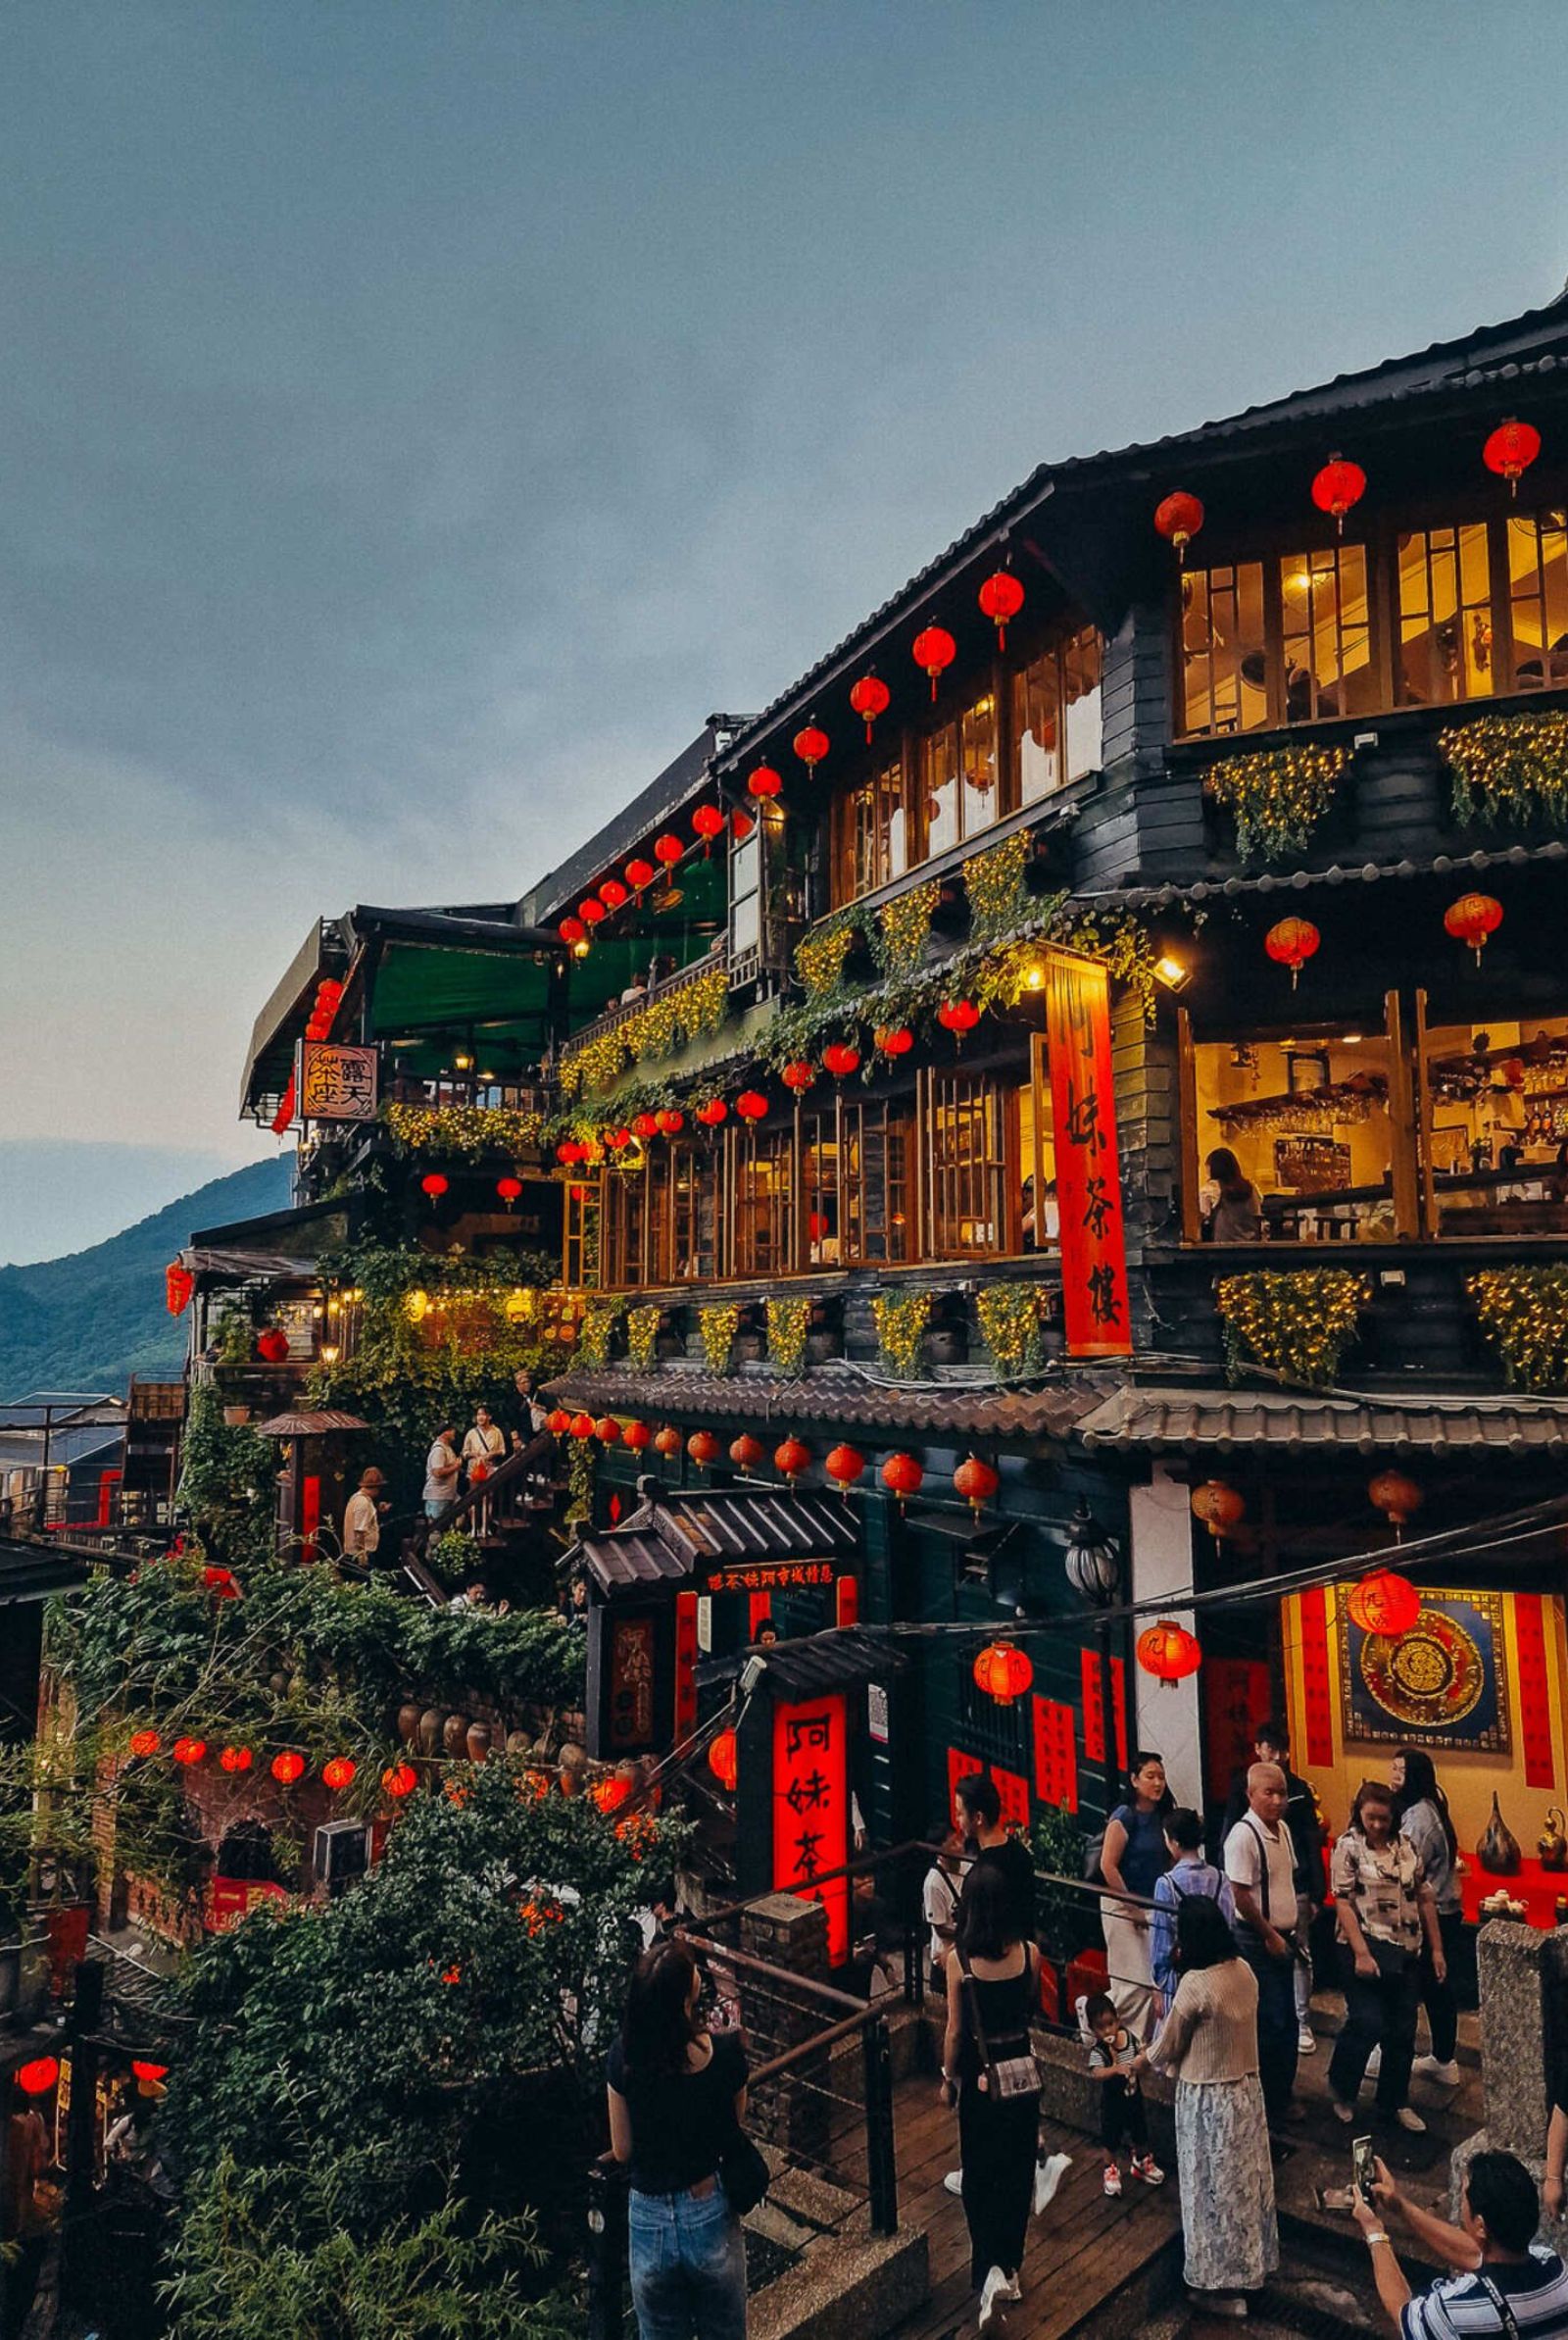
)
(1363, 2165)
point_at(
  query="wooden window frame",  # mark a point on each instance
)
(943, 1205)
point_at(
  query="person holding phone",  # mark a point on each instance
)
(1503, 2281)
(1385, 1909)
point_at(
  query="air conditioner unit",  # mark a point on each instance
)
(341, 1853)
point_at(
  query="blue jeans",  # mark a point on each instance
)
(688, 2265)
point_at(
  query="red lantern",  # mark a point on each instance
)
(1338, 487)
(144, 1742)
(617, 1140)
(670, 1122)
(765, 783)
(741, 826)
(713, 1112)
(287, 1767)
(1384, 1602)
(1397, 1496)
(612, 894)
(273, 1344)
(434, 1185)
(1168, 1652)
(636, 1436)
(667, 1441)
(606, 1430)
(478, 1473)
(844, 1465)
(236, 1758)
(220, 1582)
(669, 850)
(571, 1150)
(1290, 943)
(640, 874)
(810, 744)
(609, 1794)
(572, 930)
(903, 1476)
(645, 1124)
(37, 2076)
(1510, 451)
(976, 1483)
(559, 1423)
(146, 2073)
(399, 1780)
(582, 1427)
(751, 1105)
(703, 1449)
(958, 1017)
(178, 1285)
(746, 1452)
(798, 1075)
(721, 1761)
(1178, 519)
(339, 1773)
(791, 1458)
(894, 1040)
(189, 1751)
(1218, 1507)
(1001, 600)
(934, 652)
(841, 1059)
(1472, 918)
(1003, 1672)
(508, 1190)
(709, 822)
(869, 698)
(591, 911)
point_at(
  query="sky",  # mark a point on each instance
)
(414, 418)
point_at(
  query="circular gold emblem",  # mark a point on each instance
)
(1429, 1679)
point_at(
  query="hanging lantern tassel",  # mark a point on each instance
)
(1338, 487)
(1178, 519)
(1000, 599)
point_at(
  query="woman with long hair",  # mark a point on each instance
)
(992, 1989)
(1421, 1812)
(1233, 1212)
(1385, 1909)
(677, 2097)
(1208, 2045)
(1133, 1856)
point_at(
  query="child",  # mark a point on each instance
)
(1189, 1872)
(1121, 2102)
(939, 1906)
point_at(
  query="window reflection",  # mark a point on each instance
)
(1325, 634)
(1445, 635)
(1538, 586)
(937, 764)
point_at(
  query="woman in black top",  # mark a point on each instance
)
(991, 1971)
(677, 2097)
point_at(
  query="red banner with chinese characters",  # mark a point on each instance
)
(1535, 1698)
(1095, 1707)
(631, 1682)
(1083, 1118)
(811, 1809)
(1316, 1737)
(1236, 1700)
(1055, 1754)
(685, 1700)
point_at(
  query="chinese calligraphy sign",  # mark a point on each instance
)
(631, 1683)
(1082, 1115)
(336, 1084)
(768, 1575)
(811, 1809)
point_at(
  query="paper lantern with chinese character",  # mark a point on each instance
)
(287, 1767)
(639, 875)
(976, 1483)
(703, 1449)
(236, 1758)
(751, 1105)
(791, 1458)
(1472, 918)
(1000, 599)
(558, 1422)
(841, 1059)
(869, 698)
(1218, 1507)
(509, 1189)
(1397, 1496)
(582, 1427)
(645, 1124)
(798, 1075)
(39, 2076)
(338, 1772)
(1178, 517)
(144, 1742)
(636, 1437)
(399, 1780)
(811, 743)
(273, 1344)
(709, 822)
(958, 1017)
(894, 1040)
(1168, 1652)
(903, 1476)
(844, 1465)
(606, 1430)
(591, 911)
(434, 1185)
(765, 783)
(670, 1121)
(669, 850)
(572, 930)
(178, 1285)
(1003, 1672)
(1290, 943)
(1510, 450)
(189, 1751)
(934, 651)
(612, 894)
(721, 1759)
(1338, 487)
(713, 1112)
(748, 1453)
(667, 1441)
(1384, 1602)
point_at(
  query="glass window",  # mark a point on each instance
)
(1036, 717)
(1081, 662)
(977, 761)
(1294, 1140)
(763, 1197)
(876, 832)
(966, 1196)
(1498, 1126)
(1224, 662)
(1325, 634)
(1445, 635)
(938, 781)
(855, 1163)
(1538, 590)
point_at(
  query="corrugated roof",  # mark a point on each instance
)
(1187, 1421)
(313, 1422)
(845, 1399)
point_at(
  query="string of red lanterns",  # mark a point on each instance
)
(811, 743)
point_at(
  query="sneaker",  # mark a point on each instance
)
(1011, 2292)
(1374, 2064)
(1343, 2111)
(993, 2295)
(1306, 2041)
(954, 2182)
(1048, 2175)
(1113, 2178)
(1446, 2075)
(1148, 2169)
(1409, 2118)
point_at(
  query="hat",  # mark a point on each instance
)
(365, 1477)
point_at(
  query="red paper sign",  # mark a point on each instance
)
(811, 1809)
(758, 1610)
(1055, 1754)
(1317, 1697)
(1236, 1700)
(1012, 1789)
(685, 1664)
(849, 1601)
(1534, 1703)
(1083, 1118)
(1095, 1707)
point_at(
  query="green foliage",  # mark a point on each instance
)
(580, 1474)
(1069, 1922)
(1524, 1314)
(820, 956)
(599, 1321)
(1297, 1322)
(993, 881)
(1011, 1322)
(1510, 768)
(902, 928)
(1276, 796)
(233, 1335)
(227, 1482)
(787, 1323)
(717, 1326)
(901, 1321)
(642, 1333)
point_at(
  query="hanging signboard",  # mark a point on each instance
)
(1083, 1114)
(335, 1084)
(811, 1809)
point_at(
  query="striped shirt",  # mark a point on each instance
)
(1535, 2289)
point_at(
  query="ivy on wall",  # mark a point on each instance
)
(464, 1132)
(787, 1323)
(1510, 768)
(599, 1321)
(902, 928)
(1276, 796)
(687, 1011)
(641, 1332)
(1297, 1322)
(718, 1327)
(993, 881)
(820, 956)
(901, 1321)
(1524, 1314)
(1010, 1324)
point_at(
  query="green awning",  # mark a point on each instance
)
(421, 985)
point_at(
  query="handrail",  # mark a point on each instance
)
(516, 1466)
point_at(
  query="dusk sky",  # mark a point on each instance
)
(414, 419)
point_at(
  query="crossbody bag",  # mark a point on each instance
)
(1505, 2315)
(1005, 2078)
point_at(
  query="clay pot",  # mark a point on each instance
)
(279, 1684)
(453, 1733)
(518, 1743)
(429, 1730)
(478, 1741)
(1499, 1849)
(408, 1721)
(1552, 1847)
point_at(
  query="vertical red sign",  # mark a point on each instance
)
(685, 1666)
(1083, 1116)
(1055, 1754)
(1534, 1699)
(1317, 1707)
(811, 1809)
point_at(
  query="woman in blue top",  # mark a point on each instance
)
(1132, 1858)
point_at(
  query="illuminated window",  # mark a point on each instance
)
(1445, 630)
(1057, 716)
(937, 778)
(1538, 595)
(761, 1200)
(876, 833)
(1224, 659)
(968, 1206)
(855, 1175)
(745, 894)
(977, 761)
(1325, 634)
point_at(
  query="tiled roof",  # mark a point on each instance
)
(1165, 1421)
(666, 1538)
(843, 1398)
(1215, 889)
(820, 1662)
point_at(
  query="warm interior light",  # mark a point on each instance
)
(329, 1352)
(579, 950)
(1350, 1040)
(1171, 972)
(464, 1062)
(1034, 975)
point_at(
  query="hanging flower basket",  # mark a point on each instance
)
(1276, 796)
(1296, 1324)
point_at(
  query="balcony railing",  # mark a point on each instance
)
(668, 988)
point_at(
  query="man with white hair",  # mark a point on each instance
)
(1261, 1864)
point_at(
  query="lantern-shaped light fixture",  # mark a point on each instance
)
(894, 1040)
(1003, 1672)
(811, 743)
(791, 1457)
(1338, 489)
(976, 1483)
(606, 1430)
(178, 1285)
(39, 2076)
(713, 1112)
(1472, 918)
(399, 1780)
(765, 783)
(558, 1422)
(636, 1437)
(571, 930)
(844, 1465)
(645, 1124)
(639, 875)
(1510, 450)
(434, 1185)
(1000, 599)
(1178, 517)
(798, 1074)
(234, 1760)
(669, 850)
(591, 911)
(1384, 1602)
(709, 822)
(721, 1761)
(667, 1441)
(958, 1017)
(1091, 1560)
(1290, 943)
(1218, 1507)
(748, 1453)
(934, 652)
(287, 1767)
(1397, 1496)
(509, 1189)
(903, 1476)
(189, 1751)
(582, 1428)
(703, 1449)
(671, 1120)
(841, 1059)
(1169, 1652)
(751, 1105)
(869, 698)
(338, 1772)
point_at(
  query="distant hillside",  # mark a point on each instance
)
(90, 1320)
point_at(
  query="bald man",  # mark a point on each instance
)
(1261, 1864)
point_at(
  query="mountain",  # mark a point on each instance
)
(93, 1319)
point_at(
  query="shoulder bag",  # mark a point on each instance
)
(743, 2171)
(1005, 2078)
(1506, 2323)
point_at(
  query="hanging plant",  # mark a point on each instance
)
(579, 1481)
(903, 928)
(1524, 1314)
(599, 1321)
(1276, 796)
(1011, 1322)
(461, 1131)
(901, 1321)
(649, 1033)
(701, 1005)
(1510, 768)
(1120, 941)
(999, 901)
(718, 1327)
(787, 1322)
(593, 1065)
(642, 1332)
(820, 956)
(1297, 1322)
